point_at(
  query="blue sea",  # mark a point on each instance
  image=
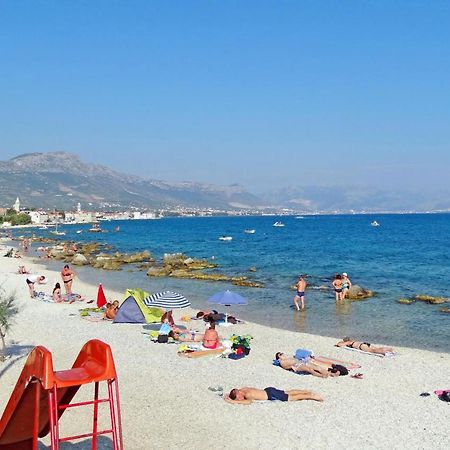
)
(406, 255)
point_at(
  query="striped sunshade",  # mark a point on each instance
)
(167, 300)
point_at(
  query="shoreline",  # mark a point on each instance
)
(170, 391)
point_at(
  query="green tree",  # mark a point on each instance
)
(8, 310)
(20, 219)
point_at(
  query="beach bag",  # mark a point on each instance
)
(163, 338)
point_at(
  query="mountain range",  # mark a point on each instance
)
(60, 180)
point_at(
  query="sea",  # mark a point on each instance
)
(408, 254)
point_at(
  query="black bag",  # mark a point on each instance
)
(163, 338)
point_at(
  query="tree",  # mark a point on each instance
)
(8, 310)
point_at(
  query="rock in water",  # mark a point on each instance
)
(359, 293)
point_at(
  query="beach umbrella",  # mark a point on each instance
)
(227, 298)
(101, 299)
(167, 300)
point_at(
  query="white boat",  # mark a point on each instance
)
(278, 224)
(58, 233)
(375, 223)
(95, 228)
(79, 231)
(44, 227)
(299, 217)
(225, 238)
(249, 231)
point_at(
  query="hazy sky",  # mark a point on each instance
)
(262, 93)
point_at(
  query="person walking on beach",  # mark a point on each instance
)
(300, 294)
(67, 276)
(346, 285)
(247, 395)
(338, 287)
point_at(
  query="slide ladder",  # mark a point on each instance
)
(41, 396)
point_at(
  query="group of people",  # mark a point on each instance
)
(210, 338)
(341, 285)
(322, 369)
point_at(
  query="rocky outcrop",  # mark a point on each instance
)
(359, 293)
(79, 260)
(431, 300)
(405, 301)
(445, 310)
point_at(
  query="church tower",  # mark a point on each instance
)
(16, 206)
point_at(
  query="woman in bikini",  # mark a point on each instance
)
(56, 295)
(364, 346)
(338, 287)
(211, 338)
(67, 276)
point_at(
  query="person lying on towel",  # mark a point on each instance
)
(247, 395)
(307, 366)
(364, 346)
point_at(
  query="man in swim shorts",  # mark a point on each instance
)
(300, 294)
(247, 395)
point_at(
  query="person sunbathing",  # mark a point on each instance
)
(211, 338)
(111, 310)
(247, 395)
(23, 270)
(296, 365)
(364, 346)
(186, 336)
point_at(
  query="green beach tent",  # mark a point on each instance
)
(133, 309)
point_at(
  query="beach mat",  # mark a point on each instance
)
(200, 353)
(386, 355)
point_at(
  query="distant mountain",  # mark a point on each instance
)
(354, 198)
(61, 180)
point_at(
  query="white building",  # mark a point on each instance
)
(38, 217)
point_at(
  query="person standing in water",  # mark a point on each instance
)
(300, 294)
(338, 287)
(346, 285)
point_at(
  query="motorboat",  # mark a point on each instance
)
(95, 228)
(79, 231)
(225, 238)
(278, 224)
(44, 227)
(249, 231)
(299, 217)
(375, 223)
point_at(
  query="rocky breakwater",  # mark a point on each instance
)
(426, 299)
(178, 265)
(116, 260)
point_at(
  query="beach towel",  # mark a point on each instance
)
(386, 355)
(43, 297)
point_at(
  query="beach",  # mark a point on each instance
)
(165, 398)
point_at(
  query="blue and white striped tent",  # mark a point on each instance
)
(167, 300)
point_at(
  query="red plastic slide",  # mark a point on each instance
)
(41, 396)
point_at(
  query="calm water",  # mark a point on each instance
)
(406, 255)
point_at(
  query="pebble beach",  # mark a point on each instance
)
(166, 401)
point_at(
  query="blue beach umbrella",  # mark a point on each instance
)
(167, 300)
(227, 298)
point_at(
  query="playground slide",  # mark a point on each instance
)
(28, 400)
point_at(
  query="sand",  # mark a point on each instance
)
(166, 402)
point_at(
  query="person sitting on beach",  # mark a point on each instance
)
(167, 317)
(56, 295)
(9, 253)
(32, 279)
(186, 336)
(111, 310)
(346, 285)
(211, 338)
(364, 346)
(246, 395)
(22, 270)
(202, 314)
(296, 365)
(338, 287)
(67, 276)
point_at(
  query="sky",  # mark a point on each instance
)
(266, 94)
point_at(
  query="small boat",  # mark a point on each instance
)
(278, 224)
(58, 233)
(375, 223)
(117, 229)
(95, 228)
(79, 231)
(44, 227)
(299, 217)
(249, 231)
(225, 238)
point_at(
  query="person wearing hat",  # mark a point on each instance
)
(300, 294)
(346, 285)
